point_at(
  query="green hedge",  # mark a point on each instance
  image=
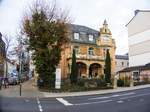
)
(120, 83)
(82, 85)
(125, 82)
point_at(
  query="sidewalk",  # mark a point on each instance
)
(121, 89)
(30, 90)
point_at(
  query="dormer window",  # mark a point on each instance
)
(91, 37)
(76, 36)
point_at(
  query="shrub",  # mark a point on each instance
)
(126, 81)
(92, 82)
(81, 82)
(40, 82)
(145, 79)
(120, 83)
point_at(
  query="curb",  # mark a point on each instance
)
(100, 92)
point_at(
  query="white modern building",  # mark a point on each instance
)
(139, 38)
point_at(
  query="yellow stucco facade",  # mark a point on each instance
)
(90, 57)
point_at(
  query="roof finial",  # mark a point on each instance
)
(105, 22)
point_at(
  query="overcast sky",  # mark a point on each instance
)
(90, 13)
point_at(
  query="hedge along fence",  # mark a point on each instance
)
(124, 81)
(145, 79)
(84, 85)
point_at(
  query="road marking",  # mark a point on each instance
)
(135, 96)
(126, 94)
(141, 100)
(65, 102)
(26, 100)
(115, 95)
(39, 105)
(128, 100)
(105, 101)
(112, 96)
(120, 101)
(104, 97)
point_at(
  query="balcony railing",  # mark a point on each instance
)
(88, 57)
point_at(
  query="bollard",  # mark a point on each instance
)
(20, 89)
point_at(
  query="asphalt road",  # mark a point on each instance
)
(129, 101)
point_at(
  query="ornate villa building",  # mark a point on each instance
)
(90, 46)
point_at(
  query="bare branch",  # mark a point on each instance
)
(7, 40)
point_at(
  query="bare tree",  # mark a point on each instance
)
(7, 40)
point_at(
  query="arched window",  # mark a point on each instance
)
(91, 51)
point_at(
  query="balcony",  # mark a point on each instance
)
(88, 57)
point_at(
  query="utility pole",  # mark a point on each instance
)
(20, 56)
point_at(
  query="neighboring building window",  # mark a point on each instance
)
(76, 48)
(91, 38)
(91, 51)
(127, 63)
(136, 75)
(76, 36)
(122, 63)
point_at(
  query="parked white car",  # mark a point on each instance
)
(13, 80)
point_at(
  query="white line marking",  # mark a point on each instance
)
(135, 96)
(65, 102)
(105, 101)
(38, 101)
(39, 105)
(117, 95)
(120, 101)
(26, 100)
(98, 98)
(128, 100)
(141, 100)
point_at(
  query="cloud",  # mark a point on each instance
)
(90, 13)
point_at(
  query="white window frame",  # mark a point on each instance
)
(91, 37)
(91, 52)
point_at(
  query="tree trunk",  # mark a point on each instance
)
(6, 70)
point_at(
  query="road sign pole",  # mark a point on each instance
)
(20, 88)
